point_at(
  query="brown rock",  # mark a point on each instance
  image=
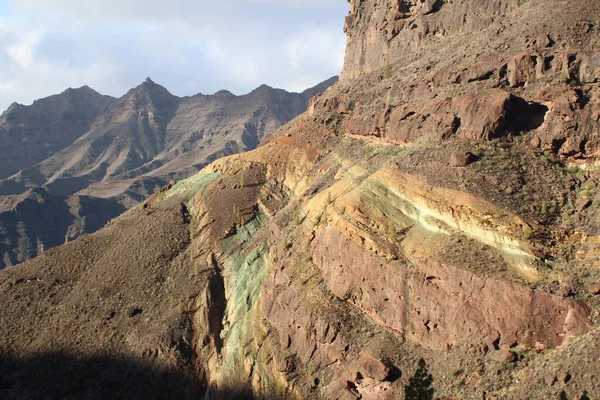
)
(582, 204)
(564, 376)
(151, 199)
(408, 27)
(522, 69)
(539, 347)
(571, 147)
(370, 367)
(372, 389)
(595, 289)
(461, 159)
(550, 379)
(544, 41)
(286, 366)
(502, 356)
(425, 313)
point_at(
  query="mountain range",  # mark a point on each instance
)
(73, 161)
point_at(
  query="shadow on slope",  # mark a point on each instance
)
(41, 220)
(420, 384)
(63, 376)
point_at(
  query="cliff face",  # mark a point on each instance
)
(477, 70)
(380, 32)
(117, 152)
(425, 207)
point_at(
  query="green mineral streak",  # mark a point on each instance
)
(399, 212)
(193, 184)
(244, 272)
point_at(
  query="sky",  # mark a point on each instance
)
(188, 46)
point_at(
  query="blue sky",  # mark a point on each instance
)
(189, 46)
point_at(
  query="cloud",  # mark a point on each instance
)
(23, 50)
(188, 46)
(26, 75)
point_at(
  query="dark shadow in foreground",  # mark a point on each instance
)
(563, 396)
(419, 387)
(60, 376)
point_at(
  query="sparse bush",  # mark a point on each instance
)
(588, 190)
(527, 232)
(196, 269)
(393, 231)
(243, 178)
(324, 218)
(387, 71)
(298, 218)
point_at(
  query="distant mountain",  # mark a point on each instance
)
(30, 134)
(71, 162)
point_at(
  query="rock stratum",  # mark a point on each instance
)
(73, 161)
(428, 228)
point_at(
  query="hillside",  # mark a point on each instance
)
(427, 229)
(117, 152)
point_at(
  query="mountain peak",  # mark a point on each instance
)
(10, 109)
(150, 85)
(149, 92)
(263, 89)
(224, 93)
(85, 89)
(13, 106)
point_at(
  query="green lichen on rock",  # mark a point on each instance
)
(244, 271)
(194, 184)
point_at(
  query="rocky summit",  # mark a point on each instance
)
(73, 161)
(427, 229)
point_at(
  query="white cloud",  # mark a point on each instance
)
(26, 76)
(22, 52)
(189, 46)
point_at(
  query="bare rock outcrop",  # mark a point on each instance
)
(439, 306)
(482, 77)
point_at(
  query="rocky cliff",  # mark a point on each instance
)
(422, 231)
(117, 152)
